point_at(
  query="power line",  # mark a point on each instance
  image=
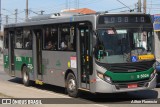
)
(121, 8)
(8, 11)
(123, 4)
(21, 12)
(153, 8)
(62, 6)
(153, 4)
(116, 9)
(41, 12)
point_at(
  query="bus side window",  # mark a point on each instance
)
(27, 39)
(47, 44)
(18, 38)
(54, 38)
(67, 39)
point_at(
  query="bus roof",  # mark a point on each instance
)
(64, 17)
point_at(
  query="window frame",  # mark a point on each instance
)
(59, 32)
(6, 38)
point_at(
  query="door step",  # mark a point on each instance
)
(40, 82)
(83, 89)
(12, 75)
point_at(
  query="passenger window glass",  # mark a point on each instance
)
(18, 38)
(46, 37)
(27, 39)
(54, 38)
(50, 38)
(67, 39)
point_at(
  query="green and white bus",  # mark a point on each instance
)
(99, 53)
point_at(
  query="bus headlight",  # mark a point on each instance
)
(107, 79)
(100, 75)
(104, 77)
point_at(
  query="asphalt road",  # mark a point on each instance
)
(13, 88)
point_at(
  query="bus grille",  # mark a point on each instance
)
(130, 81)
(128, 67)
(124, 86)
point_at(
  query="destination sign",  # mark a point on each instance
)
(157, 23)
(124, 19)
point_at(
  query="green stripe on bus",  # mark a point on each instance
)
(20, 60)
(6, 61)
(129, 76)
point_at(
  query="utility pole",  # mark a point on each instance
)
(76, 4)
(144, 6)
(26, 9)
(6, 19)
(139, 6)
(16, 13)
(66, 4)
(0, 16)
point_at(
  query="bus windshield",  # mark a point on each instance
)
(123, 45)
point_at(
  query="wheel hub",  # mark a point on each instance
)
(71, 84)
(25, 76)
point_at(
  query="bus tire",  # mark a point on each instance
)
(25, 76)
(72, 88)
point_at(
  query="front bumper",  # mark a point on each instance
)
(104, 87)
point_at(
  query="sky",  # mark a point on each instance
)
(53, 6)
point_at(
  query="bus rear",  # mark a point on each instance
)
(124, 53)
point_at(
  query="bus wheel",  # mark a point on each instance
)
(25, 75)
(72, 85)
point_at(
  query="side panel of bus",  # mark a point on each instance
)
(21, 55)
(58, 60)
(55, 64)
(52, 66)
(5, 52)
(9, 52)
(23, 58)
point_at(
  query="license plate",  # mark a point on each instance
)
(132, 85)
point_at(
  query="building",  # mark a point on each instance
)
(1, 33)
(157, 35)
(82, 11)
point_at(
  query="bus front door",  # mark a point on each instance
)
(11, 53)
(37, 55)
(84, 56)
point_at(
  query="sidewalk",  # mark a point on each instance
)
(1, 62)
(1, 59)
